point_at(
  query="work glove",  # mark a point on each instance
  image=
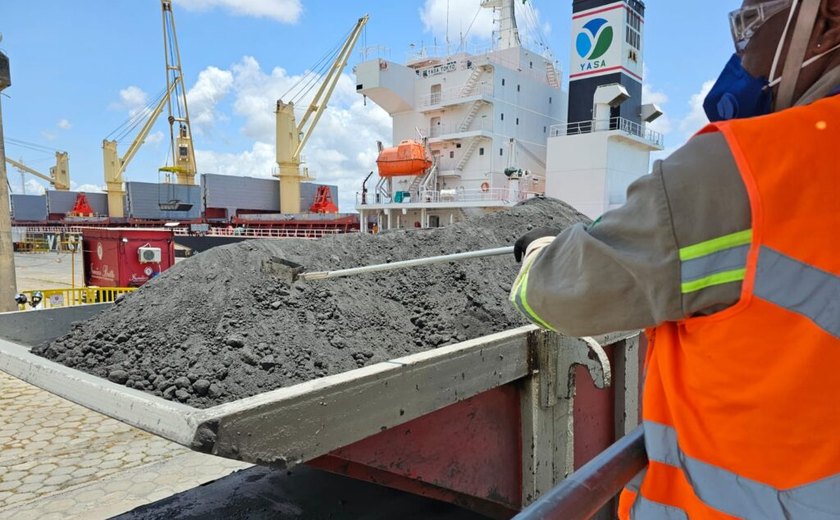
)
(535, 239)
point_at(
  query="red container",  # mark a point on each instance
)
(112, 256)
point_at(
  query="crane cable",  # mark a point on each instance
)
(135, 120)
(31, 146)
(310, 78)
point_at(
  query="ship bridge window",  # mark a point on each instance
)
(549, 100)
(517, 88)
(481, 151)
(634, 29)
(517, 120)
(451, 154)
(435, 93)
(530, 64)
(503, 82)
(457, 145)
(501, 152)
(503, 116)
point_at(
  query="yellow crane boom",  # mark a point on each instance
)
(292, 136)
(115, 165)
(175, 98)
(59, 175)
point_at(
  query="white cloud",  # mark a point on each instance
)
(682, 129)
(460, 18)
(33, 187)
(696, 118)
(285, 11)
(64, 124)
(662, 124)
(341, 150)
(49, 136)
(133, 99)
(212, 86)
(155, 137)
(471, 22)
(87, 188)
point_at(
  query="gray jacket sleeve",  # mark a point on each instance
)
(624, 271)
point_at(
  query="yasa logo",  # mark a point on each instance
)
(594, 40)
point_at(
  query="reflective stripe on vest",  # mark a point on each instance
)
(644, 509)
(799, 288)
(739, 496)
(714, 262)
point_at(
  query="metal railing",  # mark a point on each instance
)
(375, 51)
(607, 125)
(454, 94)
(587, 490)
(78, 296)
(290, 232)
(444, 51)
(479, 123)
(456, 195)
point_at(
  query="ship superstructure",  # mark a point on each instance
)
(482, 119)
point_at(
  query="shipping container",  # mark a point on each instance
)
(152, 201)
(126, 257)
(225, 195)
(29, 208)
(60, 202)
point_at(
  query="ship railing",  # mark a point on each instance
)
(454, 94)
(477, 124)
(539, 75)
(458, 195)
(444, 52)
(375, 51)
(257, 232)
(607, 125)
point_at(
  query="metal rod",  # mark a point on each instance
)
(586, 490)
(321, 275)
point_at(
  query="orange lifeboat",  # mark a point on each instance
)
(408, 158)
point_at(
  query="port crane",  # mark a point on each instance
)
(291, 136)
(59, 176)
(175, 99)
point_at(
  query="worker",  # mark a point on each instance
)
(728, 254)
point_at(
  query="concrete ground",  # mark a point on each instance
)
(60, 460)
(38, 271)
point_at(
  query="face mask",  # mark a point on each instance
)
(737, 94)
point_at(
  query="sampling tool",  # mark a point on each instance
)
(294, 271)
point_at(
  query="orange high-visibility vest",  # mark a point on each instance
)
(741, 408)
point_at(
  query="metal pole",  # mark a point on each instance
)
(321, 275)
(8, 287)
(589, 488)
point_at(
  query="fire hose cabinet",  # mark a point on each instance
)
(126, 257)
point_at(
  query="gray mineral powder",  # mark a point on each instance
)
(217, 327)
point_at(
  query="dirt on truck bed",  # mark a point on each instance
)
(217, 327)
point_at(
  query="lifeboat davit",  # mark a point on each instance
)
(408, 158)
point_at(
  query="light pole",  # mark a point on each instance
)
(7, 255)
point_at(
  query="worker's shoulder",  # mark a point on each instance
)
(703, 155)
(706, 194)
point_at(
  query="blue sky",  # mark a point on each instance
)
(79, 69)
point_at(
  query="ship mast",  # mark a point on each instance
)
(507, 35)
